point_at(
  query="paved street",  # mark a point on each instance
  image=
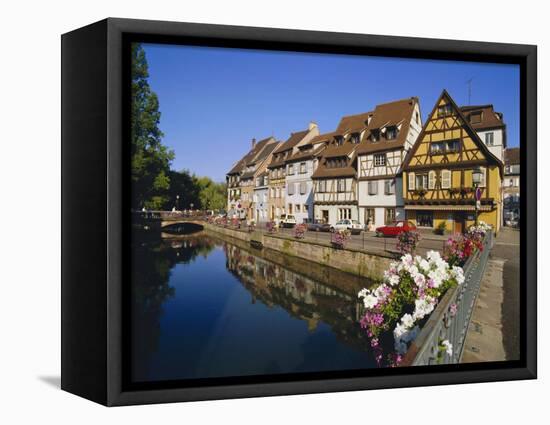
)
(367, 241)
(493, 334)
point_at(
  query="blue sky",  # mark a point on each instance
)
(213, 101)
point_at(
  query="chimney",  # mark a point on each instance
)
(312, 125)
(253, 142)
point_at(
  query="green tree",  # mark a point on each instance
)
(150, 159)
(182, 185)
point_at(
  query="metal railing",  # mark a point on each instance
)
(451, 318)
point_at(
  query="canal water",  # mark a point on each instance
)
(203, 307)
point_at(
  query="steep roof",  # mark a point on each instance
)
(325, 172)
(250, 156)
(511, 156)
(488, 117)
(353, 123)
(466, 125)
(386, 115)
(292, 141)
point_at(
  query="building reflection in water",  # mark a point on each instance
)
(185, 289)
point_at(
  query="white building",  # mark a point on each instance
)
(392, 130)
(261, 198)
(490, 127)
(335, 185)
(299, 186)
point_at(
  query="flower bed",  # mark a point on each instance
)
(339, 238)
(271, 227)
(407, 242)
(412, 287)
(299, 231)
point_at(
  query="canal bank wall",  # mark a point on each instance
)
(362, 263)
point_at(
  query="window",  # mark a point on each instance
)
(489, 139)
(375, 135)
(297, 208)
(305, 208)
(417, 116)
(291, 188)
(422, 181)
(445, 179)
(389, 215)
(444, 110)
(373, 188)
(341, 185)
(355, 138)
(389, 188)
(483, 176)
(369, 216)
(339, 140)
(258, 181)
(437, 148)
(303, 188)
(475, 117)
(431, 180)
(453, 146)
(424, 219)
(290, 209)
(302, 168)
(344, 213)
(511, 183)
(391, 133)
(322, 186)
(412, 180)
(290, 169)
(278, 192)
(379, 160)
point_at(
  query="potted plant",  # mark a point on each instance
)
(441, 228)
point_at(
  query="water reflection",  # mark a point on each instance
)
(203, 307)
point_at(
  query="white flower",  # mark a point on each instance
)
(420, 280)
(363, 293)
(448, 347)
(394, 280)
(399, 330)
(370, 301)
(424, 265)
(458, 274)
(407, 320)
(423, 307)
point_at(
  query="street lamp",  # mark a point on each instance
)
(476, 180)
(177, 202)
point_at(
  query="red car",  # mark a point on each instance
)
(395, 228)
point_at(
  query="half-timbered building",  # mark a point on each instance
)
(335, 184)
(278, 171)
(392, 130)
(438, 173)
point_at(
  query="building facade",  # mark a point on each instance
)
(261, 198)
(335, 183)
(511, 187)
(489, 126)
(392, 131)
(300, 167)
(241, 178)
(437, 173)
(281, 202)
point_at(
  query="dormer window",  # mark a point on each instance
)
(391, 133)
(475, 117)
(375, 135)
(355, 138)
(339, 140)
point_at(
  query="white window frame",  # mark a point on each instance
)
(379, 159)
(446, 179)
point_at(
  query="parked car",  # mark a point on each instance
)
(352, 225)
(317, 225)
(287, 220)
(395, 228)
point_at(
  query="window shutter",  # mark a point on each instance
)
(483, 176)
(411, 181)
(445, 179)
(303, 187)
(431, 180)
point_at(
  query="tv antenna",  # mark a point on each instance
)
(469, 82)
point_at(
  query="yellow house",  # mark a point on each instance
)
(437, 173)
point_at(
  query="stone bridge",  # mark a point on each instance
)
(168, 219)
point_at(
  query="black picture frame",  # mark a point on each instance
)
(94, 198)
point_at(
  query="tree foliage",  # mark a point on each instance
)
(150, 159)
(201, 192)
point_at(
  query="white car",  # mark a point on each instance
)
(352, 225)
(287, 220)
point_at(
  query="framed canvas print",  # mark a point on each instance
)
(252, 212)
